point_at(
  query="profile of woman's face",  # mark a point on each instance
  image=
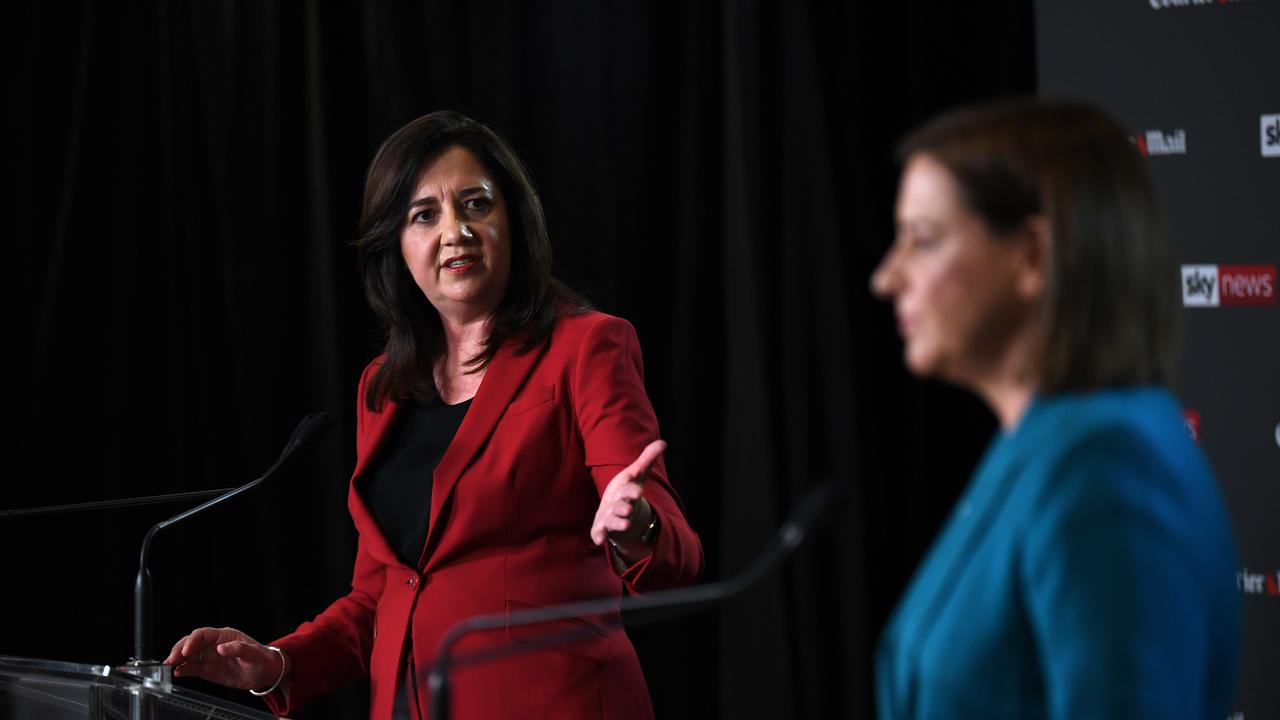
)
(954, 284)
(456, 241)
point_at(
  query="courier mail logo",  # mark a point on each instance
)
(1166, 4)
(1215, 285)
(1158, 142)
(1251, 583)
(1269, 130)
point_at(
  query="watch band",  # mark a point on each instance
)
(650, 534)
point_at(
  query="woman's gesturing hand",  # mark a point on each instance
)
(225, 656)
(623, 514)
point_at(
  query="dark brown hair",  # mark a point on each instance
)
(533, 298)
(1110, 311)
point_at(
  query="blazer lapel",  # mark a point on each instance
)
(375, 432)
(504, 377)
(973, 518)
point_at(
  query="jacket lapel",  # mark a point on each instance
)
(375, 432)
(504, 377)
(973, 518)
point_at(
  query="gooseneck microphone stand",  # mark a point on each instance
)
(152, 676)
(674, 602)
(111, 504)
(311, 427)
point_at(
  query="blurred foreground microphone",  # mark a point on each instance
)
(311, 427)
(802, 522)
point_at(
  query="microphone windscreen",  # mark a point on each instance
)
(818, 505)
(311, 427)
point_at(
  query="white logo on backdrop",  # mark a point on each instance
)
(1162, 143)
(1163, 4)
(1269, 132)
(1200, 285)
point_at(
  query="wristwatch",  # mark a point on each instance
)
(650, 534)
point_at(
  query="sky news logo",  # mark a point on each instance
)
(1251, 583)
(1158, 142)
(1215, 285)
(1269, 130)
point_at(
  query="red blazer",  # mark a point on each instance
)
(511, 509)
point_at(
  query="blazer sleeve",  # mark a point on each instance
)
(617, 421)
(334, 648)
(1116, 587)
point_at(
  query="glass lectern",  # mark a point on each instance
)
(51, 690)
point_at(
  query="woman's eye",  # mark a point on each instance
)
(424, 216)
(924, 242)
(479, 204)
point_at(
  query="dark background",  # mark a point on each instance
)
(183, 183)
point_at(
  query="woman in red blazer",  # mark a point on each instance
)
(507, 458)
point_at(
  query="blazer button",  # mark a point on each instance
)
(413, 582)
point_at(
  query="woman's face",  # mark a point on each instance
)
(455, 239)
(962, 295)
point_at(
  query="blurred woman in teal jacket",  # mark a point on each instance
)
(1088, 571)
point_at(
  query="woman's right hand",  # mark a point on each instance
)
(225, 656)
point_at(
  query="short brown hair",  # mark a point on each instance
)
(1110, 312)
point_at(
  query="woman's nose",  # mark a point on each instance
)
(884, 280)
(456, 231)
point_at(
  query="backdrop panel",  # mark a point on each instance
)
(1193, 82)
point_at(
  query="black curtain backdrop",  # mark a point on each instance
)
(183, 184)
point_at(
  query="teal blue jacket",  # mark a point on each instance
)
(1088, 571)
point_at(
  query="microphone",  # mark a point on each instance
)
(311, 427)
(798, 526)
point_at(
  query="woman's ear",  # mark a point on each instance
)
(1036, 242)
